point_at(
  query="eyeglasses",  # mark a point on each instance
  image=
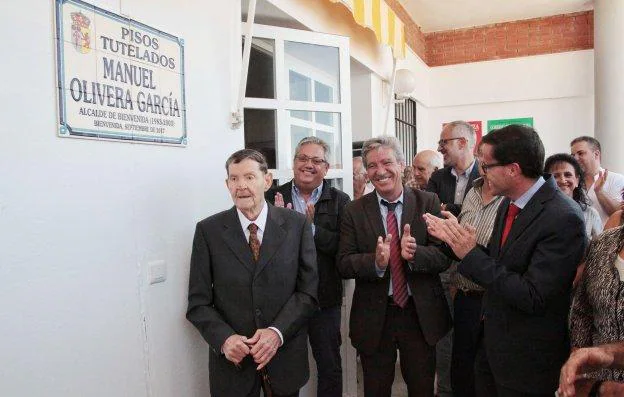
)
(443, 142)
(486, 167)
(302, 158)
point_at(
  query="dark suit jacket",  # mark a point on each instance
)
(529, 282)
(443, 183)
(327, 212)
(230, 294)
(360, 228)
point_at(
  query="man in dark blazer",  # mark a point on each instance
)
(537, 243)
(310, 195)
(252, 287)
(451, 184)
(398, 303)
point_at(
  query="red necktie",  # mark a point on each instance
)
(254, 243)
(397, 272)
(512, 212)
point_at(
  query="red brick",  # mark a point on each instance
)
(511, 39)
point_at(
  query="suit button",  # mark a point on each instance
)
(258, 312)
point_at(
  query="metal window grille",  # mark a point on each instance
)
(405, 124)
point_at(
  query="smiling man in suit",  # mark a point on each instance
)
(451, 183)
(252, 288)
(309, 194)
(537, 242)
(398, 303)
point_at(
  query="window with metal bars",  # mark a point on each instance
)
(405, 124)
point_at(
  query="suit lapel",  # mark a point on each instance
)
(272, 238)
(451, 183)
(497, 233)
(373, 213)
(235, 239)
(409, 208)
(523, 220)
(529, 212)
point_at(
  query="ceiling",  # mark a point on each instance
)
(437, 15)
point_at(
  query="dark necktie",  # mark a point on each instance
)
(512, 212)
(397, 272)
(254, 243)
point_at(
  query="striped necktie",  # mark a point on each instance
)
(397, 272)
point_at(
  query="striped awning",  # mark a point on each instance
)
(377, 16)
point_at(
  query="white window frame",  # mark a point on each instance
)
(281, 104)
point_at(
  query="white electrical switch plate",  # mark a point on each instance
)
(157, 271)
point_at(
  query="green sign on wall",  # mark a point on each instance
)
(496, 124)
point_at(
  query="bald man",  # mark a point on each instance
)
(423, 165)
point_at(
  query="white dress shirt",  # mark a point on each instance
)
(398, 212)
(260, 221)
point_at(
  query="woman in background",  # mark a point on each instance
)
(571, 181)
(597, 314)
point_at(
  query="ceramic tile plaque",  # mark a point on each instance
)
(118, 79)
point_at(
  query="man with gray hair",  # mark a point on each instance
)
(322, 204)
(451, 184)
(398, 303)
(252, 288)
(424, 164)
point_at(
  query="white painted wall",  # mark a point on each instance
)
(608, 39)
(80, 219)
(557, 90)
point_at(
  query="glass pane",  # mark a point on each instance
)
(325, 126)
(325, 118)
(261, 76)
(297, 133)
(260, 133)
(323, 93)
(312, 63)
(299, 87)
(301, 115)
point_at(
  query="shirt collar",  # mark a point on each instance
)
(260, 220)
(399, 200)
(523, 200)
(316, 193)
(466, 172)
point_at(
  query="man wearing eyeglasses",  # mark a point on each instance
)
(527, 268)
(310, 195)
(451, 184)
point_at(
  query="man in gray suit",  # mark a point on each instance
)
(252, 288)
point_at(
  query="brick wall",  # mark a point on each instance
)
(548, 35)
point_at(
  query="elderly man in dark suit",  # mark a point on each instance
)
(537, 242)
(310, 195)
(398, 303)
(252, 288)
